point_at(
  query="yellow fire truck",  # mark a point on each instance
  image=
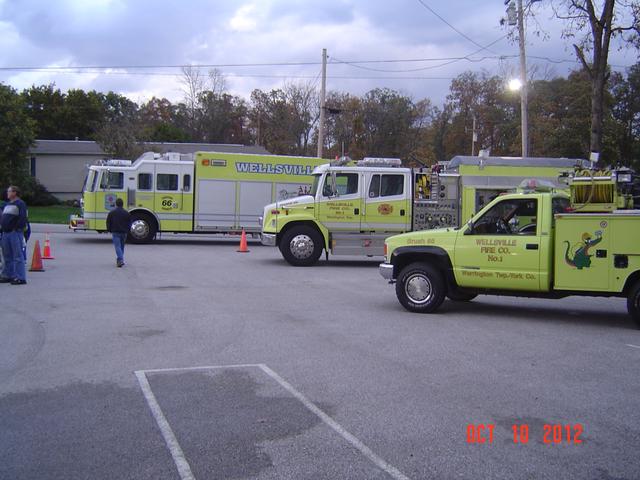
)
(205, 192)
(353, 207)
(538, 242)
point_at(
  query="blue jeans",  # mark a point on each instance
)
(118, 242)
(14, 262)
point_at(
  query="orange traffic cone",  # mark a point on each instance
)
(36, 259)
(243, 243)
(46, 253)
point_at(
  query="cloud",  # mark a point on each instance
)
(214, 32)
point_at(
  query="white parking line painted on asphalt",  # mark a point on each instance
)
(633, 346)
(205, 367)
(184, 470)
(361, 447)
(178, 455)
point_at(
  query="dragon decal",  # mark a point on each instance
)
(581, 258)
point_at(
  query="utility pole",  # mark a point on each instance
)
(323, 93)
(474, 137)
(523, 80)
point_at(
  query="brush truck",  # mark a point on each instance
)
(205, 192)
(354, 206)
(538, 242)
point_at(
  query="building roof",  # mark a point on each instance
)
(517, 161)
(84, 147)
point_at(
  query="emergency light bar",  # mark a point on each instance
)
(379, 162)
(115, 163)
(536, 185)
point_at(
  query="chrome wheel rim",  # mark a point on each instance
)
(139, 229)
(418, 288)
(301, 246)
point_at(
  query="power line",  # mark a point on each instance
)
(463, 35)
(448, 61)
(335, 61)
(241, 75)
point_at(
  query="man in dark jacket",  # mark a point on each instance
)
(119, 223)
(12, 223)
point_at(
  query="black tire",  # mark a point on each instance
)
(633, 303)
(143, 228)
(420, 288)
(457, 296)
(301, 246)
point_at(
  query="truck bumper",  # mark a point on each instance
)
(77, 223)
(386, 270)
(268, 239)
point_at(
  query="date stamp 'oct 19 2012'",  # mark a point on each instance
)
(552, 434)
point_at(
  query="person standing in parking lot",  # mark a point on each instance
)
(13, 222)
(118, 224)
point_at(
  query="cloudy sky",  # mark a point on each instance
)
(251, 42)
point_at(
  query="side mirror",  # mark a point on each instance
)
(469, 230)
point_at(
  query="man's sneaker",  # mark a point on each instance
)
(5, 280)
(119, 263)
(17, 281)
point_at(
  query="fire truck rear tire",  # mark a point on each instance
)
(420, 288)
(633, 303)
(143, 228)
(301, 246)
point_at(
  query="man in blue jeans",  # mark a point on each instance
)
(12, 223)
(119, 223)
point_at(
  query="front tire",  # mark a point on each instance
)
(633, 303)
(143, 228)
(420, 288)
(301, 246)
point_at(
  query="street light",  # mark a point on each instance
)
(515, 84)
(515, 15)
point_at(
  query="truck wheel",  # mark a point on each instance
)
(420, 288)
(456, 296)
(143, 228)
(301, 246)
(633, 303)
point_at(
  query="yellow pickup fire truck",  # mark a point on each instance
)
(354, 206)
(205, 192)
(538, 242)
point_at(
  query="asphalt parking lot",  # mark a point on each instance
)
(194, 361)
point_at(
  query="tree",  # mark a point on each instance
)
(482, 97)
(159, 122)
(44, 104)
(17, 134)
(626, 114)
(559, 112)
(118, 136)
(601, 27)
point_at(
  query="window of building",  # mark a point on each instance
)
(167, 181)
(33, 166)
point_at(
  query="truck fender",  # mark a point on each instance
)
(146, 212)
(323, 231)
(438, 256)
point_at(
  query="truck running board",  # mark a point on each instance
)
(358, 243)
